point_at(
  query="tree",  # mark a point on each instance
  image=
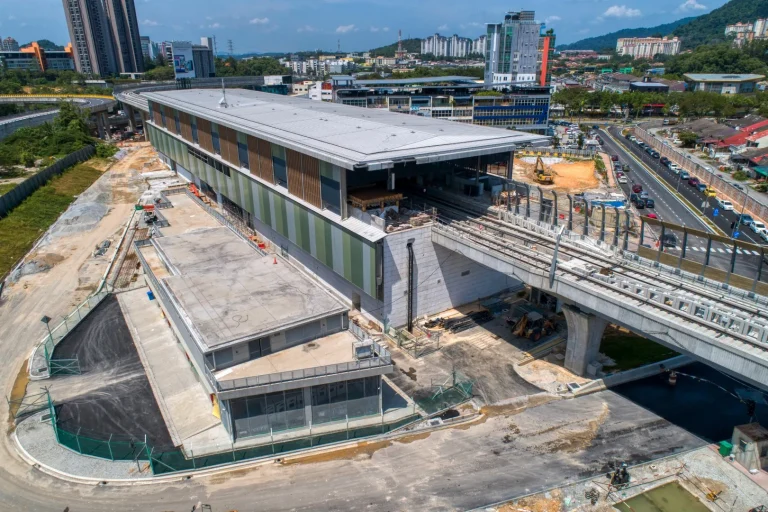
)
(580, 140)
(688, 139)
(160, 73)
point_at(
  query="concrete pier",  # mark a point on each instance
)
(585, 331)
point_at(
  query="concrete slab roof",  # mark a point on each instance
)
(351, 137)
(333, 349)
(228, 293)
(412, 81)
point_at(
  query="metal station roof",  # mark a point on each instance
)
(351, 137)
(714, 77)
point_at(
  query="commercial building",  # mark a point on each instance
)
(723, 84)
(513, 50)
(546, 56)
(454, 98)
(208, 42)
(146, 47)
(35, 58)
(91, 37)
(9, 44)
(191, 60)
(125, 34)
(648, 47)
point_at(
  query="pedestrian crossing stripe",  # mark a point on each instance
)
(743, 252)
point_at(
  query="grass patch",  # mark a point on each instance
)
(6, 187)
(29, 220)
(632, 351)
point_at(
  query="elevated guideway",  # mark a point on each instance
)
(598, 283)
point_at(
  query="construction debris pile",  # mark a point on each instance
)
(403, 218)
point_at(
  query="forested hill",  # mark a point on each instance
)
(608, 41)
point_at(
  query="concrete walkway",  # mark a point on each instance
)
(183, 401)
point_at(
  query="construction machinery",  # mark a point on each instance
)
(532, 325)
(542, 174)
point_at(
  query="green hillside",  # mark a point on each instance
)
(412, 45)
(710, 28)
(45, 44)
(609, 40)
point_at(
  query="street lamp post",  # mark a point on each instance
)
(741, 215)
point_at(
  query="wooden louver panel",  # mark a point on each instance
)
(253, 156)
(186, 126)
(204, 134)
(265, 161)
(228, 138)
(311, 172)
(295, 181)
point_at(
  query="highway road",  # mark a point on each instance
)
(649, 173)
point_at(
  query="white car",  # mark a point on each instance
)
(674, 168)
(756, 226)
(764, 235)
(622, 179)
(725, 205)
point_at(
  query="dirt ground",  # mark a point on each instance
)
(570, 176)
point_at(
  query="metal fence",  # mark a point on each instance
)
(20, 192)
(43, 354)
(560, 152)
(736, 196)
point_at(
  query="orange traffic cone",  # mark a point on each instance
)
(274, 262)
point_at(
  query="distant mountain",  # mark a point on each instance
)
(710, 28)
(45, 44)
(609, 40)
(412, 45)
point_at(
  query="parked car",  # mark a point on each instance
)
(694, 182)
(644, 195)
(745, 219)
(725, 205)
(757, 226)
(654, 153)
(614, 158)
(664, 160)
(639, 203)
(622, 179)
(764, 235)
(737, 186)
(650, 203)
(674, 168)
(665, 122)
(710, 192)
(637, 188)
(684, 175)
(618, 166)
(669, 241)
(651, 215)
(702, 187)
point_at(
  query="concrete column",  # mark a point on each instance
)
(584, 334)
(131, 117)
(100, 126)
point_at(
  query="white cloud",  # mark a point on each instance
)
(11, 17)
(550, 19)
(691, 5)
(375, 29)
(306, 28)
(622, 11)
(259, 21)
(214, 25)
(385, 29)
(209, 18)
(149, 23)
(343, 29)
(442, 27)
(584, 31)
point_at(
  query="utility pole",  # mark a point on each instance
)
(230, 47)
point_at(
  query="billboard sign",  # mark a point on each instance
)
(183, 64)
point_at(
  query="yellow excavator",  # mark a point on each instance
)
(542, 174)
(532, 326)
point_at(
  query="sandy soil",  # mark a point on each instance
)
(577, 176)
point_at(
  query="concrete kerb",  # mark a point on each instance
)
(666, 185)
(186, 475)
(641, 372)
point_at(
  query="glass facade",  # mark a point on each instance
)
(338, 401)
(215, 139)
(193, 126)
(279, 166)
(242, 150)
(330, 187)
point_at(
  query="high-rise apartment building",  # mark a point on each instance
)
(546, 57)
(647, 47)
(479, 45)
(743, 32)
(9, 44)
(512, 49)
(91, 36)
(125, 35)
(454, 46)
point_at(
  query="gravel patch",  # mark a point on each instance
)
(39, 441)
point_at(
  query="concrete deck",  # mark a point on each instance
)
(333, 349)
(186, 216)
(183, 401)
(154, 262)
(231, 294)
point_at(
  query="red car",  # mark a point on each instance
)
(693, 182)
(615, 158)
(637, 189)
(652, 216)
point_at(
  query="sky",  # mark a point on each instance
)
(359, 25)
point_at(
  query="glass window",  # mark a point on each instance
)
(242, 150)
(162, 115)
(177, 122)
(278, 164)
(330, 188)
(193, 124)
(215, 139)
(259, 348)
(223, 357)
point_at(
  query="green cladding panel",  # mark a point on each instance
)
(349, 255)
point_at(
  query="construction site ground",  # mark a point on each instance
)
(701, 472)
(570, 176)
(487, 354)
